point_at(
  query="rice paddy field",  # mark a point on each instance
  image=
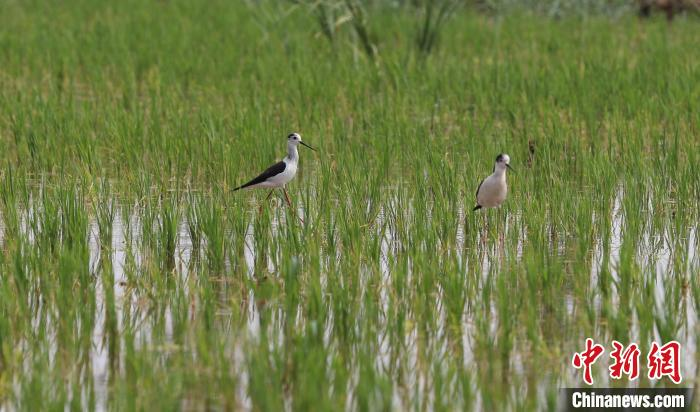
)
(133, 278)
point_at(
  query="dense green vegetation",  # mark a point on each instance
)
(131, 277)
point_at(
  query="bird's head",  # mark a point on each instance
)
(294, 139)
(503, 162)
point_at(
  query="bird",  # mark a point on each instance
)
(492, 191)
(280, 173)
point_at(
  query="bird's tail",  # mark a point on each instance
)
(241, 187)
(477, 207)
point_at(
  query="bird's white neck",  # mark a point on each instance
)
(292, 153)
(500, 172)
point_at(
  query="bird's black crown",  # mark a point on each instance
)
(499, 158)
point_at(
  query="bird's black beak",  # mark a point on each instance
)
(511, 169)
(307, 146)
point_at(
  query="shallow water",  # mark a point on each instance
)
(404, 357)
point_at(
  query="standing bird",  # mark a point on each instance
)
(281, 173)
(492, 191)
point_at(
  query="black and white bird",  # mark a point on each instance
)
(493, 190)
(280, 173)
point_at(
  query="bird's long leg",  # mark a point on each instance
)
(265, 201)
(286, 195)
(485, 229)
(501, 232)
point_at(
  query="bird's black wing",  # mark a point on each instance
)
(273, 170)
(478, 206)
(477, 189)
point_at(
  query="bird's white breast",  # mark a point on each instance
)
(493, 191)
(285, 177)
